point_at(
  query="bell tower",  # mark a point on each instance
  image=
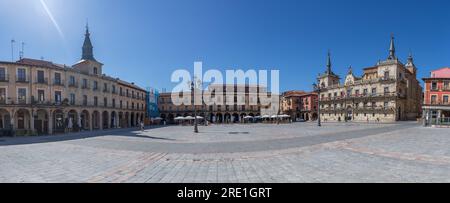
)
(329, 78)
(88, 64)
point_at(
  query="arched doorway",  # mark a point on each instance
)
(85, 120)
(22, 119)
(127, 120)
(73, 121)
(133, 121)
(96, 120)
(41, 122)
(5, 119)
(171, 119)
(219, 118)
(349, 113)
(106, 121)
(114, 120)
(121, 120)
(227, 118)
(59, 123)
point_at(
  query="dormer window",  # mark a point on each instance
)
(95, 71)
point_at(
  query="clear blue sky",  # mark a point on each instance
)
(144, 41)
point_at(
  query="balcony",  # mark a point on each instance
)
(58, 82)
(73, 84)
(22, 101)
(4, 78)
(85, 87)
(43, 81)
(22, 80)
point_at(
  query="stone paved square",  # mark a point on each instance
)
(259, 153)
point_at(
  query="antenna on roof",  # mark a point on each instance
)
(21, 53)
(12, 49)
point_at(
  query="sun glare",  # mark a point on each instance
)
(50, 15)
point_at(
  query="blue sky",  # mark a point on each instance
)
(144, 41)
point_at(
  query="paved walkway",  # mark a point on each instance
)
(299, 152)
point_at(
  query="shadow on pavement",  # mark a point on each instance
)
(128, 132)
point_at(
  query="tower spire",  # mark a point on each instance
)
(88, 53)
(329, 63)
(392, 49)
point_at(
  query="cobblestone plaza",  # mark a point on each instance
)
(260, 153)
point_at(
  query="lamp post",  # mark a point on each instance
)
(317, 89)
(193, 106)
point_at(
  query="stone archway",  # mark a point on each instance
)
(73, 121)
(41, 120)
(114, 120)
(5, 119)
(219, 118)
(349, 113)
(105, 120)
(171, 118)
(121, 120)
(85, 120)
(22, 120)
(59, 123)
(96, 120)
(127, 119)
(133, 121)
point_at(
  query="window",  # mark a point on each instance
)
(374, 104)
(132, 105)
(85, 83)
(114, 89)
(386, 75)
(446, 85)
(95, 85)
(386, 90)
(386, 105)
(365, 92)
(433, 99)
(357, 92)
(374, 91)
(72, 80)
(105, 87)
(120, 103)
(121, 92)
(72, 99)
(105, 102)
(57, 79)
(445, 99)
(41, 96)
(2, 95)
(95, 101)
(95, 71)
(434, 86)
(57, 97)
(21, 75)
(22, 95)
(114, 103)
(3, 74)
(40, 76)
(85, 100)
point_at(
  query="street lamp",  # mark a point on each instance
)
(193, 106)
(317, 89)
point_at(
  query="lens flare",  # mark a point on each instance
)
(50, 15)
